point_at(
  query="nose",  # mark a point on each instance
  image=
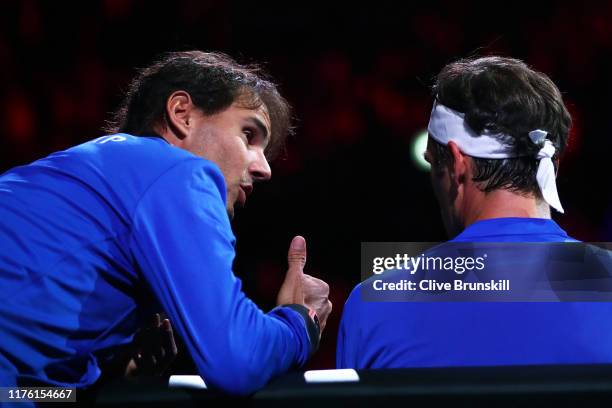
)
(259, 167)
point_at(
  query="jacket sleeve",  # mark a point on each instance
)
(182, 242)
(347, 347)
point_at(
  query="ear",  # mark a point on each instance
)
(460, 166)
(179, 111)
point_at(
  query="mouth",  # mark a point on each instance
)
(245, 191)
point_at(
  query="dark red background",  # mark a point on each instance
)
(358, 77)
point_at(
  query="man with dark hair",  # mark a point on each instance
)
(97, 238)
(496, 132)
(504, 102)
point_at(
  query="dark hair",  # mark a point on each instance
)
(504, 96)
(213, 80)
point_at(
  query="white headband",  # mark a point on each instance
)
(446, 124)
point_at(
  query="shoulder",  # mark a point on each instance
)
(121, 148)
(128, 168)
(142, 158)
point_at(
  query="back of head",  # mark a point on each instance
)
(213, 80)
(504, 96)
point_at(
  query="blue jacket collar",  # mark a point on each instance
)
(514, 229)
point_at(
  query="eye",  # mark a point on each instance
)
(253, 136)
(249, 134)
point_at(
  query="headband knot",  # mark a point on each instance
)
(446, 124)
(538, 136)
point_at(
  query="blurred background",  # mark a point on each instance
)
(358, 77)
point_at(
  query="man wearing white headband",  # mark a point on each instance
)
(493, 150)
(449, 127)
(496, 132)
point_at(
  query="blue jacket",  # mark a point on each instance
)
(96, 238)
(381, 334)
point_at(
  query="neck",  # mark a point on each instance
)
(503, 204)
(166, 133)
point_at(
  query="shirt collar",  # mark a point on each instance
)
(522, 229)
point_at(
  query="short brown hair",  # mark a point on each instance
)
(504, 96)
(213, 80)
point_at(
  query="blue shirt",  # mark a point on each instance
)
(96, 238)
(437, 334)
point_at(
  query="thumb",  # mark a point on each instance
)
(296, 258)
(291, 291)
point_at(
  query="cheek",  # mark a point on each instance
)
(239, 155)
(243, 158)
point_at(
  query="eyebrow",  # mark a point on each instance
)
(262, 128)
